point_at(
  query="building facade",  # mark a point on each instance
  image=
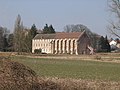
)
(62, 43)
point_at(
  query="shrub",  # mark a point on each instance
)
(38, 51)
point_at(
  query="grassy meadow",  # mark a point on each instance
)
(74, 68)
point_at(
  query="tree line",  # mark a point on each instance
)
(21, 38)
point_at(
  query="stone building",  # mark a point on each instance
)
(62, 43)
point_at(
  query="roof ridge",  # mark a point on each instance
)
(59, 35)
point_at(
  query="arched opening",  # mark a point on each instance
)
(69, 48)
(53, 46)
(61, 46)
(73, 46)
(65, 46)
(57, 47)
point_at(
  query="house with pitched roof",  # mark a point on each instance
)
(62, 43)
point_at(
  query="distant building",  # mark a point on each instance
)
(62, 43)
(115, 45)
(113, 42)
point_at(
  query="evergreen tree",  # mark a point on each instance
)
(51, 29)
(101, 43)
(104, 45)
(107, 45)
(33, 31)
(31, 34)
(48, 29)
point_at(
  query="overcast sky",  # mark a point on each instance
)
(91, 13)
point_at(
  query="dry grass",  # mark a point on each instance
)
(73, 84)
(16, 76)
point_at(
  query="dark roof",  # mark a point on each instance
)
(59, 35)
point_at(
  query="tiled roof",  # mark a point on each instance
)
(59, 35)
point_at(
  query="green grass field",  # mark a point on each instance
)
(78, 69)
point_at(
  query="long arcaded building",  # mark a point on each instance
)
(62, 43)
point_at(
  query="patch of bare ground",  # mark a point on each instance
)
(16, 76)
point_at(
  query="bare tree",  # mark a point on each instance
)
(80, 28)
(18, 35)
(114, 27)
